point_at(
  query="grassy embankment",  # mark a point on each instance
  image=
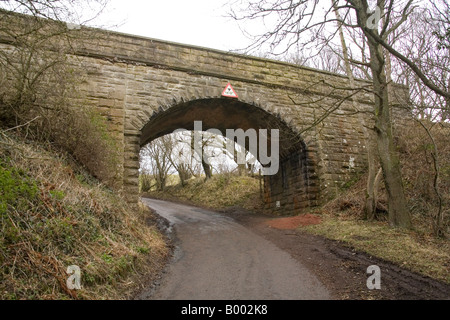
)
(53, 215)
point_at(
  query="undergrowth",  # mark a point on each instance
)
(418, 175)
(53, 215)
(417, 249)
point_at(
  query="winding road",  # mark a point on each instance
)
(217, 258)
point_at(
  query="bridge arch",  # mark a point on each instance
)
(293, 186)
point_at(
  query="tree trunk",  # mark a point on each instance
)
(206, 169)
(372, 196)
(161, 182)
(183, 176)
(242, 169)
(372, 159)
(399, 215)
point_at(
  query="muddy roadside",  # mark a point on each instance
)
(342, 269)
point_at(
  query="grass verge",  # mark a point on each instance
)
(411, 249)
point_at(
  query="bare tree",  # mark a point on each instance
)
(181, 156)
(398, 212)
(155, 160)
(191, 149)
(194, 147)
(425, 42)
(372, 156)
(37, 47)
(205, 157)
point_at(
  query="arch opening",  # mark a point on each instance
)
(288, 189)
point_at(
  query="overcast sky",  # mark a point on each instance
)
(197, 22)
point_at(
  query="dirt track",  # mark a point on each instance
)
(242, 256)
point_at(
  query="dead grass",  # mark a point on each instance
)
(219, 192)
(69, 218)
(419, 252)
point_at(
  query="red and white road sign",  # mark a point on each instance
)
(229, 92)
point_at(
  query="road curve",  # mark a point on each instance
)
(218, 259)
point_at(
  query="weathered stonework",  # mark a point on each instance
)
(146, 88)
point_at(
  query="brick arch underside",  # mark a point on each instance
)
(292, 189)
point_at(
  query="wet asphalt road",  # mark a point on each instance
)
(216, 258)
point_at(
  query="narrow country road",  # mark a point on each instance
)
(218, 258)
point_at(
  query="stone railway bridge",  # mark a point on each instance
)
(146, 88)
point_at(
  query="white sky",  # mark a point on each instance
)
(196, 22)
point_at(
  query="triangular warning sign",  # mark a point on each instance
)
(229, 92)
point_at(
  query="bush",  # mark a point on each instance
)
(145, 182)
(83, 134)
(417, 155)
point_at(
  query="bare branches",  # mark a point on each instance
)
(440, 16)
(287, 24)
(71, 11)
(426, 81)
(157, 154)
(438, 221)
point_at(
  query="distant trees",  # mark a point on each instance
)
(177, 154)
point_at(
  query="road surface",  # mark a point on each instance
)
(216, 258)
